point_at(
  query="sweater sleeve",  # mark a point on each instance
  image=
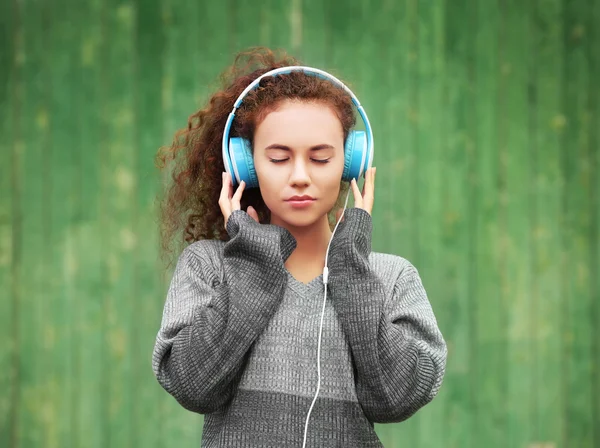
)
(398, 351)
(209, 323)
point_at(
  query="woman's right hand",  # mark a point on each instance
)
(229, 202)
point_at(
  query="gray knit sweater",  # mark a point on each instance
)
(238, 339)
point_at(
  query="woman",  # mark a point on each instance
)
(273, 346)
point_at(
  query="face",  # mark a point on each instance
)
(299, 160)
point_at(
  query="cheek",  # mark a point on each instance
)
(269, 182)
(329, 185)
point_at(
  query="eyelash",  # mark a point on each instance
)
(314, 160)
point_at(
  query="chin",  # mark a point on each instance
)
(298, 218)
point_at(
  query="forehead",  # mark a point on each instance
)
(300, 121)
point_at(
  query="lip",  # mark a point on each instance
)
(300, 201)
(304, 197)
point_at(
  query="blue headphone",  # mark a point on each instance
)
(237, 152)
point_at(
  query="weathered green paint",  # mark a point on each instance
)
(486, 118)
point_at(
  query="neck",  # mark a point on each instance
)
(311, 241)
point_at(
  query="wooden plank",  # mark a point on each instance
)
(182, 59)
(275, 30)
(547, 127)
(432, 127)
(214, 54)
(394, 173)
(371, 57)
(118, 185)
(60, 195)
(246, 27)
(489, 417)
(576, 226)
(457, 217)
(9, 226)
(314, 33)
(91, 428)
(515, 164)
(184, 39)
(34, 426)
(344, 45)
(72, 238)
(372, 93)
(594, 59)
(149, 74)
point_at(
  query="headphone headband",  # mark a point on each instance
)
(284, 70)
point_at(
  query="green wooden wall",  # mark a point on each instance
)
(486, 117)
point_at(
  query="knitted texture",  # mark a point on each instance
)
(238, 339)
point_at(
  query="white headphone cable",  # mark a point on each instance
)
(325, 280)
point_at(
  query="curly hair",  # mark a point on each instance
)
(189, 209)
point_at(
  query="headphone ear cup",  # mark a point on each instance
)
(355, 150)
(240, 153)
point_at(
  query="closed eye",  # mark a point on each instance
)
(314, 160)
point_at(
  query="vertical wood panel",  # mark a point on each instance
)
(576, 164)
(149, 69)
(213, 52)
(548, 125)
(118, 186)
(489, 415)
(372, 93)
(91, 426)
(515, 163)
(456, 218)
(35, 407)
(275, 29)
(73, 237)
(594, 59)
(8, 299)
(389, 138)
(431, 127)
(395, 175)
(377, 82)
(315, 34)
(178, 95)
(503, 120)
(392, 174)
(61, 193)
(247, 28)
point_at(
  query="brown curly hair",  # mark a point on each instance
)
(190, 206)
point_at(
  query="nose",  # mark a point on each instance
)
(300, 176)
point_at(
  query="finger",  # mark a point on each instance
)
(237, 197)
(224, 187)
(230, 184)
(253, 214)
(369, 193)
(224, 202)
(362, 192)
(358, 200)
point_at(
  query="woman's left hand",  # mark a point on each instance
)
(365, 199)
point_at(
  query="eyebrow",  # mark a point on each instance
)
(287, 148)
